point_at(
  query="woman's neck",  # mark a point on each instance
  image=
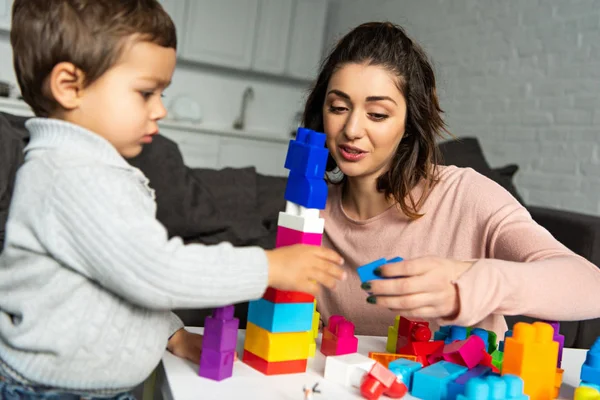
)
(361, 199)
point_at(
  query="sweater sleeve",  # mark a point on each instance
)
(526, 271)
(101, 223)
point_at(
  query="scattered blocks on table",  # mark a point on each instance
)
(431, 382)
(509, 387)
(289, 237)
(590, 370)
(281, 317)
(338, 337)
(277, 346)
(467, 352)
(274, 367)
(347, 370)
(366, 272)
(404, 369)
(532, 354)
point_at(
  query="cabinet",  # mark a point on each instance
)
(268, 158)
(5, 14)
(307, 37)
(272, 36)
(220, 32)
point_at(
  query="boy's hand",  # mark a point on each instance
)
(186, 345)
(302, 268)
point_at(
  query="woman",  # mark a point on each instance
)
(472, 252)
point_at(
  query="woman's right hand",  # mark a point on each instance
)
(303, 268)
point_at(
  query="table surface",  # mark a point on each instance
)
(178, 378)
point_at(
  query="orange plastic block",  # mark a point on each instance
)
(558, 381)
(532, 354)
(386, 358)
(283, 296)
(274, 367)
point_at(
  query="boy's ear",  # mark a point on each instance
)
(66, 83)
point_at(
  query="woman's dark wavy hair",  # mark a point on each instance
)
(387, 45)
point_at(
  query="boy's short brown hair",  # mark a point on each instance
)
(91, 34)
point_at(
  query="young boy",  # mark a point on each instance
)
(88, 276)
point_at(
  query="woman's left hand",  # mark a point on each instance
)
(420, 288)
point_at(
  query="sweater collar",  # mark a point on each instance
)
(49, 133)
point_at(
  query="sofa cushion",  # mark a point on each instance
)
(466, 152)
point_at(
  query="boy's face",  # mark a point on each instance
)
(125, 104)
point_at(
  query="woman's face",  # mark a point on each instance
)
(364, 117)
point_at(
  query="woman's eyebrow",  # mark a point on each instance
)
(378, 98)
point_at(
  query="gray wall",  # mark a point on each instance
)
(521, 75)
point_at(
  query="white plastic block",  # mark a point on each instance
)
(301, 211)
(302, 224)
(348, 369)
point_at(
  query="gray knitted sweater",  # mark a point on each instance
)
(88, 275)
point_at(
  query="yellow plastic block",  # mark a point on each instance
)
(392, 338)
(532, 354)
(558, 381)
(315, 322)
(285, 346)
(586, 393)
(312, 349)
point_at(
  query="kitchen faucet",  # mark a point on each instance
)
(240, 120)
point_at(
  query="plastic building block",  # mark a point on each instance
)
(404, 369)
(277, 346)
(284, 296)
(507, 334)
(509, 387)
(347, 370)
(467, 352)
(560, 339)
(590, 370)
(299, 223)
(273, 368)
(301, 211)
(386, 358)
(288, 237)
(314, 330)
(597, 387)
(456, 333)
(423, 350)
(338, 337)
(221, 330)
(532, 354)
(307, 154)
(281, 317)
(586, 393)
(431, 383)
(457, 386)
(216, 365)
(442, 333)
(365, 272)
(310, 193)
(558, 381)
(492, 342)
(380, 380)
(497, 357)
(411, 331)
(392, 338)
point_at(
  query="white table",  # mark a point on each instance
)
(178, 379)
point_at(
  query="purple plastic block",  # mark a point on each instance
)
(216, 365)
(557, 338)
(221, 330)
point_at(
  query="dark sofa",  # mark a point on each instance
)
(241, 206)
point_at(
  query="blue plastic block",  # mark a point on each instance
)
(404, 369)
(457, 386)
(492, 387)
(307, 155)
(365, 272)
(456, 333)
(442, 334)
(309, 193)
(592, 385)
(431, 383)
(590, 370)
(281, 317)
(483, 334)
(508, 333)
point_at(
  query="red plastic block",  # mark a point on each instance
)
(288, 237)
(411, 331)
(422, 350)
(274, 368)
(371, 388)
(283, 296)
(380, 380)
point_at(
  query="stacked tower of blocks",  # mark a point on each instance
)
(282, 326)
(218, 345)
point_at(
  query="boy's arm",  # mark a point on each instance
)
(100, 222)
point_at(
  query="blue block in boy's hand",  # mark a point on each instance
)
(366, 271)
